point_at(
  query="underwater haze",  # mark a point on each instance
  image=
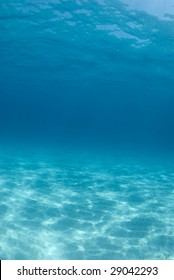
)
(86, 129)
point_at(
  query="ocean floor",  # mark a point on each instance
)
(71, 206)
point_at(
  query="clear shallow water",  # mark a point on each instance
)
(89, 75)
(87, 69)
(71, 206)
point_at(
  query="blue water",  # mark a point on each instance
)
(86, 129)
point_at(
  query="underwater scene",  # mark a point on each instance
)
(86, 129)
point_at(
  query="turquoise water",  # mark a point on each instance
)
(76, 206)
(86, 129)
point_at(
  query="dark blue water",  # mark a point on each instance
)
(86, 129)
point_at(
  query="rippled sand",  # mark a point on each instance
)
(65, 207)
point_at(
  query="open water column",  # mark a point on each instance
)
(86, 129)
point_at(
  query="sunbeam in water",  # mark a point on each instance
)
(86, 129)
